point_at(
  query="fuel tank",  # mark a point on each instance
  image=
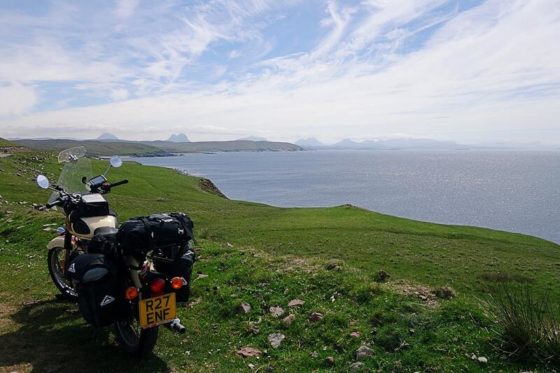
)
(84, 227)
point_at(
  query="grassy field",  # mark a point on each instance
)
(330, 258)
(96, 148)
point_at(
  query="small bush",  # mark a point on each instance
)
(334, 265)
(381, 276)
(444, 292)
(528, 324)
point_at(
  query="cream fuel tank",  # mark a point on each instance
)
(92, 214)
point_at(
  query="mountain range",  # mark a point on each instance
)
(382, 144)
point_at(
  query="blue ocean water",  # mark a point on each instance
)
(513, 191)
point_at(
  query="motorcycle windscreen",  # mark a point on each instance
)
(76, 167)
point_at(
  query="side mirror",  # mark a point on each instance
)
(43, 182)
(116, 161)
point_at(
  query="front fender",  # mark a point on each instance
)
(56, 242)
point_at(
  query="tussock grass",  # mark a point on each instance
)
(528, 324)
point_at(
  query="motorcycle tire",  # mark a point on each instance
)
(56, 266)
(134, 340)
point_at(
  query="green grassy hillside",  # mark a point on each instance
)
(96, 148)
(330, 258)
(156, 148)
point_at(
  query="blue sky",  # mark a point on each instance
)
(463, 70)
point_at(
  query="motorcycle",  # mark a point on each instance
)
(131, 277)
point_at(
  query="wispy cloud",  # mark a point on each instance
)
(435, 68)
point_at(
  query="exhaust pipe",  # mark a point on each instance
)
(176, 326)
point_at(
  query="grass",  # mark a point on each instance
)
(155, 148)
(96, 148)
(331, 258)
(529, 324)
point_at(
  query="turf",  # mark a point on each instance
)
(266, 256)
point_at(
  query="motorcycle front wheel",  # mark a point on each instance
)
(57, 266)
(135, 340)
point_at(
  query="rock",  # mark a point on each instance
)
(355, 334)
(276, 311)
(356, 366)
(316, 316)
(329, 361)
(249, 352)
(288, 320)
(364, 352)
(275, 339)
(482, 359)
(245, 307)
(315, 354)
(296, 303)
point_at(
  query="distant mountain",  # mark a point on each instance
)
(106, 136)
(179, 137)
(309, 142)
(397, 143)
(252, 138)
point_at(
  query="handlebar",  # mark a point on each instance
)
(52, 204)
(125, 181)
(103, 188)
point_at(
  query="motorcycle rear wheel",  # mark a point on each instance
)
(56, 263)
(133, 339)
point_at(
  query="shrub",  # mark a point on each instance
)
(381, 276)
(444, 292)
(528, 323)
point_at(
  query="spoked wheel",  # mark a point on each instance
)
(56, 259)
(135, 340)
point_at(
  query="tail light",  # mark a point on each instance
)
(177, 283)
(157, 286)
(131, 293)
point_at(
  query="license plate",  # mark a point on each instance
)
(158, 310)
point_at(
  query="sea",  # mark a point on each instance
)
(516, 191)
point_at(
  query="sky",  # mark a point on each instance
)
(471, 71)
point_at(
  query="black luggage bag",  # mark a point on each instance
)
(167, 237)
(98, 289)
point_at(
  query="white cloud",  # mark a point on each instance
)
(125, 8)
(119, 94)
(16, 98)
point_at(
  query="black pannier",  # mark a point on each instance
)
(98, 289)
(181, 266)
(168, 233)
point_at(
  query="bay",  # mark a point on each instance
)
(517, 191)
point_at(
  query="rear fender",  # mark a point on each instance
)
(56, 242)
